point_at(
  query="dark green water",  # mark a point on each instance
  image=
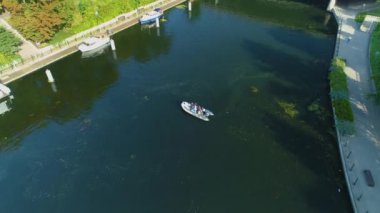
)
(114, 139)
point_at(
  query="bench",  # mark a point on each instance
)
(369, 178)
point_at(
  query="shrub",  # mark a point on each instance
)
(9, 43)
(339, 94)
(343, 110)
(360, 17)
(9, 47)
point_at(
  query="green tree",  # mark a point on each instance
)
(39, 21)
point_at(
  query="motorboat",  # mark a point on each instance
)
(94, 53)
(5, 99)
(4, 91)
(94, 43)
(151, 16)
(196, 110)
(5, 107)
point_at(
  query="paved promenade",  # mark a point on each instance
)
(362, 150)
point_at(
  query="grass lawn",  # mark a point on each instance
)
(6, 60)
(9, 47)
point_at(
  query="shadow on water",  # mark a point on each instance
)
(291, 67)
(77, 88)
(295, 82)
(284, 13)
(143, 44)
(324, 162)
(289, 38)
(196, 11)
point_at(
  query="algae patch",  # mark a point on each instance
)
(254, 89)
(288, 108)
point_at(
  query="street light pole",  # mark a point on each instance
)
(97, 15)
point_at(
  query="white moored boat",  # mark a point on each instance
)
(196, 110)
(5, 97)
(151, 16)
(93, 44)
(4, 91)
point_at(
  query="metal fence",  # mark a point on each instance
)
(75, 40)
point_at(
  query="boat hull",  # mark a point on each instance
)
(186, 107)
(150, 19)
(102, 42)
(4, 91)
(95, 52)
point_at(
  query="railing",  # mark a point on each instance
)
(75, 40)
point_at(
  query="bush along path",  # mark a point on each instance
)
(340, 97)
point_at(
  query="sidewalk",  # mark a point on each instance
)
(362, 150)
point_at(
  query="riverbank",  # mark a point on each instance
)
(359, 151)
(53, 53)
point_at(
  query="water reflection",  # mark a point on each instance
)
(291, 13)
(5, 106)
(143, 44)
(80, 83)
(80, 80)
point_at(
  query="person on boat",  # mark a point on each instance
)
(193, 107)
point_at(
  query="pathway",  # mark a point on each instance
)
(362, 150)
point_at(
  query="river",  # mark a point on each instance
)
(113, 137)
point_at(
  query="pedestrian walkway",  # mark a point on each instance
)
(360, 151)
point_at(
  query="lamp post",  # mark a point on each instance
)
(97, 17)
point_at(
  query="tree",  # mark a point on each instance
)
(12, 6)
(40, 20)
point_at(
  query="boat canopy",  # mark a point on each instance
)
(91, 41)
